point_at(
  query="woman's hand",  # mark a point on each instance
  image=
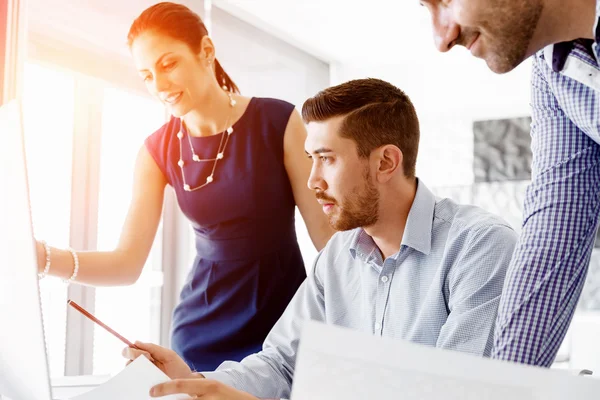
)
(166, 360)
(41, 255)
(200, 388)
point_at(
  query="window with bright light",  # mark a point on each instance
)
(133, 311)
(48, 107)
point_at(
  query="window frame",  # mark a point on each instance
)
(90, 81)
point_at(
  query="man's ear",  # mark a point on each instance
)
(389, 162)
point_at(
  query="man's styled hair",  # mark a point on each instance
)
(376, 113)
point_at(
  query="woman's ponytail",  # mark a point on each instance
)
(224, 79)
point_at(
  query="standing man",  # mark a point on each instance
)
(562, 205)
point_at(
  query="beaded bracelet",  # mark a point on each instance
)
(42, 275)
(75, 266)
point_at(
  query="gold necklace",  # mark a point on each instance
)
(220, 151)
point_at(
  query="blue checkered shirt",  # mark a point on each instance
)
(441, 289)
(562, 205)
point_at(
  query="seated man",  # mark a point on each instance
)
(405, 265)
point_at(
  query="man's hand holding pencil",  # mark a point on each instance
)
(165, 359)
(184, 381)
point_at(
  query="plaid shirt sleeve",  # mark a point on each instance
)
(561, 211)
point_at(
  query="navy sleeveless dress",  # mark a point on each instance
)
(248, 263)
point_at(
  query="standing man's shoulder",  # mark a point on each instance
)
(567, 63)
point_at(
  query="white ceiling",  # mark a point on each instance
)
(356, 31)
(363, 32)
(388, 39)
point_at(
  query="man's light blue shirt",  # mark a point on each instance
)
(441, 289)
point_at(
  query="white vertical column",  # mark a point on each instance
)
(12, 45)
(12, 48)
(84, 217)
(175, 260)
(208, 16)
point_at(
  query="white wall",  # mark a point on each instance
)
(263, 65)
(449, 93)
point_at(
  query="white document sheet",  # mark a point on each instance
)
(337, 363)
(133, 383)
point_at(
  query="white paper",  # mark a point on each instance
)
(337, 363)
(133, 383)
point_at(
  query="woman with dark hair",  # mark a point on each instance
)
(238, 168)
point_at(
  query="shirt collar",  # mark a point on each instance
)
(597, 24)
(417, 232)
(557, 54)
(363, 246)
